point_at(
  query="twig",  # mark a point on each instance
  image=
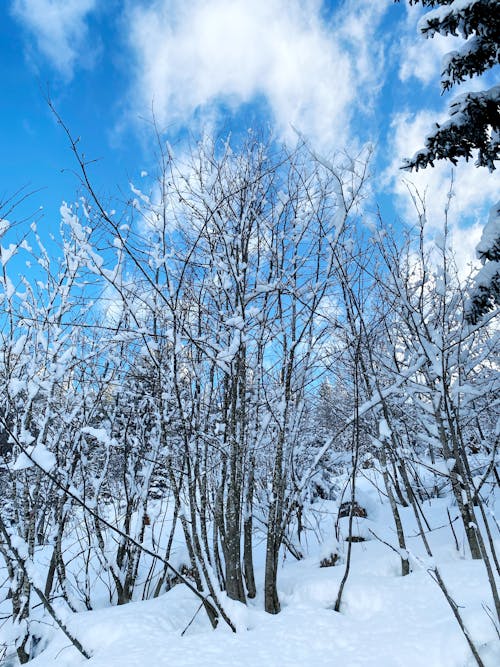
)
(387, 544)
(191, 621)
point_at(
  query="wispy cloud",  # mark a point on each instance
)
(474, 189)
(58, 28)
(193, 55)
(421, 58)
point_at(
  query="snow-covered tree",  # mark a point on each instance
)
(473, 125)
(486, 292)
(474, 122)
(457, 371)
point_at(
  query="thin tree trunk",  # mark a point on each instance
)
(248, 534)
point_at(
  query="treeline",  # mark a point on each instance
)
(214, 348)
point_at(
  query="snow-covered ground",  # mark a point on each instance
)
(385, 620)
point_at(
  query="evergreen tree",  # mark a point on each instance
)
(487, 289)
(474, 118)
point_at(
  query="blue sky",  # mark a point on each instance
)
(342, 73)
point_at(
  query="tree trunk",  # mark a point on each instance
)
(247, 536)
(271, 600)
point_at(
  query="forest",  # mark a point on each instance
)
(197, 375)
(244, 418)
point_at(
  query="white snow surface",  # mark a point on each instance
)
(385, 620)
(385, 623)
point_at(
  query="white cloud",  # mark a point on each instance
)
(474, 191)
(419, 57)
(192, 55)
(59, 29)
(356, 26)
(464, 241)
(422, 58)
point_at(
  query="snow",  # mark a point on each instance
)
(442, 13)
(226, 356)
(460, 111)
(15, 386)
(384, 430)
(100, 434)
(385, 620)
(7, 253)
(38, 455)
(19, 344)
(43, 457)
(4, 226)
(486, 274)
(491, 231)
